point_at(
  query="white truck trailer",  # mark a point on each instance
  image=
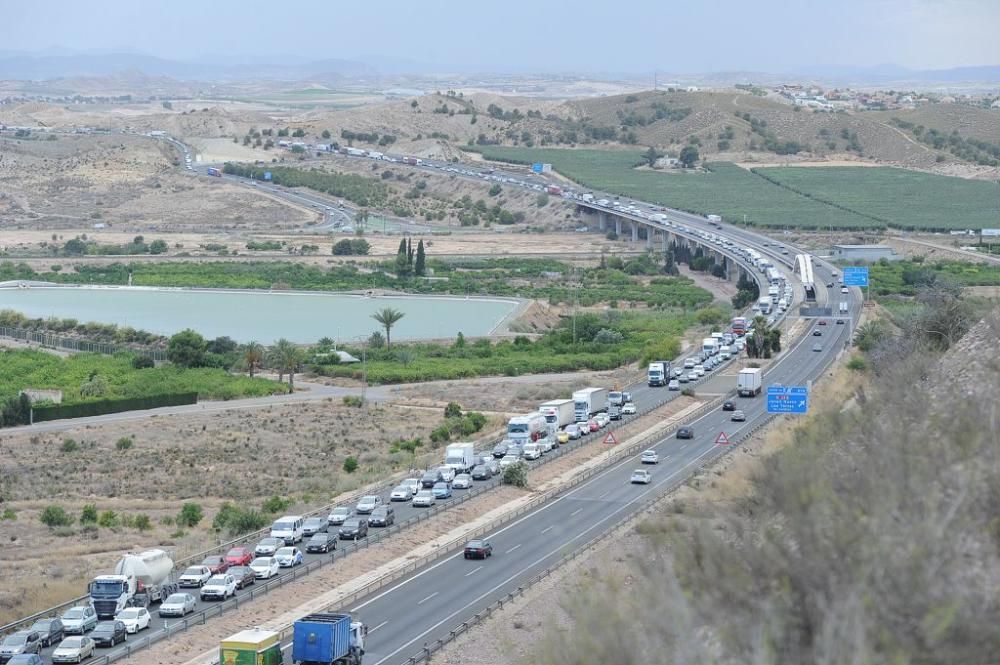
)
(748, 382)
(589, 401)
(558, 413)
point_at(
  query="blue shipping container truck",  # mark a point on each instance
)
(328, 639)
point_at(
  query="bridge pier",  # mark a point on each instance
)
(618, 225)
(602, 220)
(635, 231)
(649, 238)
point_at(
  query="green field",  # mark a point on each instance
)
(20, 369)
(838, 197)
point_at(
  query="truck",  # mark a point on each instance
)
(658, 373)
(843, 307)
(460, 456)
(251, 647)
(328, 639)
(527, 428)
(710, 345)
(748, 382)
(138, 580)
(558, 413)
(589, 401)
(554, 190)
(716, 220)
(355, 152)
(413, 161)
(738, 325)
(374, 154)
(214, 171)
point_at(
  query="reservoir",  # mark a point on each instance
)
(263, 316)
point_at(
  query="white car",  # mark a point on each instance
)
(532, 451)
(699, 371)
(401, 493)
(628, 409)
(368, 504)
(674, 385)
(424, 498)
(649, 457)
(134, 618)
(264, 567)
(288, 557)
(412, 483)
(177, 605)
(463, 481)
(602, 419)
(574, 431)
(219, 587)
(844, 289)
(73, 650)
(641, 476)
(195, 576)
(79, 619)
(508, 460)
(447, 473)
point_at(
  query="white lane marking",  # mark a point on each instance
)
(428, 598)
(513, 548)
(471, 572)
(604, 495)
(548, 528)
(372, 630)
(575, 512)
(599, 523)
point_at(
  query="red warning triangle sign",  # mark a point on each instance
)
(611, 439)
(722, 439)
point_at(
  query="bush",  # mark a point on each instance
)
(69, 446)
(54, 516)
(191, 514)
(276, 504)
(124, 443)
(108, 519)
(238, 521)
(353, 400)
(350, 465)
(89, 514)
(453, 410)
(857, 364)
(142, 362)
(142, 522)
(516, 474)
(8, 515)
(688, 392)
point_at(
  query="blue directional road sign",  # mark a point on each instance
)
(787, 399)
(856, 276)
(267, 175)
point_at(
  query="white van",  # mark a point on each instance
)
(532, 451)
(288, 528)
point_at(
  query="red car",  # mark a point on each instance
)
(822, 322)
(239, 556)
(217, 564)
(478, 549)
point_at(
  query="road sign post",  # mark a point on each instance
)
(611, 439)
(787, 399)
(722, 440)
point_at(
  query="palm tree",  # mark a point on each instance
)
(388, 317)
(253, 357)
(287, 358)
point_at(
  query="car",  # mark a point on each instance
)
(822, 322)
(493, 465)
(844, 289)
(243, 575)
(683, 378)
(423, 499)
(177, 605)
(194, 576)
(562, 436)
(400, 493)
(219, 587)
(508, 460)
(602, 419)
(463, 481)
(239, 556)
(515, 450)
(368, 504)
(728, 405)
(699, 371)
(689, 363)
(829, 285)
(676, 372)
(738, 416)
(50, 630)
(649, 457)
(674, 384)
(382, 516)
(23, 641)
(313, 525)
(532, 451)
(441, 490)
(73, 650)
(26, 659)
(108, 633)
(447, 474)
(336, 517)
(478, 549)
(574, 431)
(481, 472)
(78, 620)
(321, 543)
(685, 433)
(499, 450)
(135, 618)
(268, 546)
(840, 322)
(412, 483)
(289, 557)
(817, 348)
(593, 425)
(430, 477)
(641, 476)
(215, 563)
(354, 529)
(264, 567)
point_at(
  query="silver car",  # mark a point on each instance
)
(79, 620)
(424, 498)
(73, 650)
(463, 481)
(177, 605)
(368, 504)
(401, 493)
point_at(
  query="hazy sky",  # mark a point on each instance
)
(540, 35)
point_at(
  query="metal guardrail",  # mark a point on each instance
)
(52, 340)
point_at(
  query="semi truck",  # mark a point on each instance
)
(138, 580)
(328, 639)
(251, 647)
(843, 307)
(527, 428)
(214, 171)
(554, 190)
(710, 345)
(589, 401)
(413, 161)
(460, 456)
(658, 373)
(748, 382)
(558, 413)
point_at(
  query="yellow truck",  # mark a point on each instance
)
(251, 647)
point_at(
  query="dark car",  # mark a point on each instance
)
(243, 575)
(500, 450)
(217, 564)
(817, 333)
(51, 631)
(321, 543)
(840, 322)
(685, 433)
(478, 549)
(481, 472)
(354, 528)
(430, 477)
(728, 406)
(108, 633)
(382, 516)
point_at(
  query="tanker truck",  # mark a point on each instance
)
(138, 580)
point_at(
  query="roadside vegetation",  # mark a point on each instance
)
(871, 539)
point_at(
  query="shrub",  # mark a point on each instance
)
(688, 392)
(54, 516)
(353, 400)
(89, 514)
(440, 434)
(191, 514)
(142, 362)
(350, 465)
(276, 504)
(857, 364)
(516, 474)
(108, 519)
(142, 522)
(69, 446)
(8, 514)
(124, 443)
(453, 410)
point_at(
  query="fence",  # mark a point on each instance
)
(99, 408)
(51, 340)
